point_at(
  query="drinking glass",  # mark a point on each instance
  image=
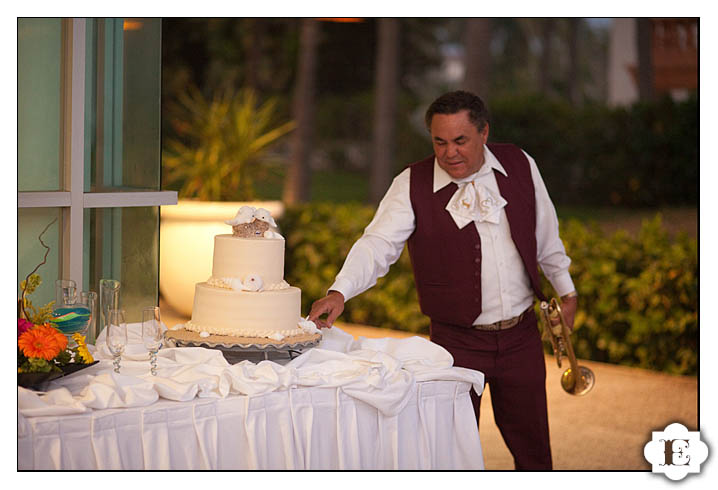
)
(116, 335)
(109, 299)
(65, 293)
(89, 300)
(152, 334)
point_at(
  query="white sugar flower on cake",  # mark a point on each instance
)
(252, 283)
(235, 282)
(308, 326)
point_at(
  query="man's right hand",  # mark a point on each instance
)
(332, 304)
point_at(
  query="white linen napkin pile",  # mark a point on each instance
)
(380, 372)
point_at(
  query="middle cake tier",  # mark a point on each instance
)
(246, 313)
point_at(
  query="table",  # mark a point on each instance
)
(314, 428)
(399, 408)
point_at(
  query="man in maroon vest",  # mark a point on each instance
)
(478, 222)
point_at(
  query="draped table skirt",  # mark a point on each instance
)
(312, 428)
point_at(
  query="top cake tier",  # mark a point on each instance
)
(237, 257)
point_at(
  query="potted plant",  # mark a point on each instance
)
(222, 145)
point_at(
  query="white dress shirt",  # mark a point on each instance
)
(505, 287)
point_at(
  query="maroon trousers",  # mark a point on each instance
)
(513, 365)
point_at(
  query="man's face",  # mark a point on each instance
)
(458, 145)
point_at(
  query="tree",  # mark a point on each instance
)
(546, 67)
(477, 41)
(297, 182)
(385, 108)
(574, 82)
(644, 32)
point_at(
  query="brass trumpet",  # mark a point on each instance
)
(560, 337)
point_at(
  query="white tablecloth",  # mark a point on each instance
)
(365, 404)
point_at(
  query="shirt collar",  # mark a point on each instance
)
(442, 179)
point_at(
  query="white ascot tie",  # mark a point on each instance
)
(475, 202)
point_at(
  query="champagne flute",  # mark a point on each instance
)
(152, 334)
(116, 335)
(109, 298)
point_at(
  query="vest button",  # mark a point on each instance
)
(476, 300)
(477, 246)
(477, 260)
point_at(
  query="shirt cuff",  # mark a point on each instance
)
(562, 284)
(343, 286)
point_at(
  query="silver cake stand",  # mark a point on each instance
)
(235, 352)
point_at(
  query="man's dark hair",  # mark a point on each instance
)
(454, 102)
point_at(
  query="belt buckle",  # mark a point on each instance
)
(494, 327)
(501, 324)
(489, 327)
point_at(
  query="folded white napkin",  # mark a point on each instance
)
(56, 402)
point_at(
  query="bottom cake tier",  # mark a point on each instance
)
(246, 313)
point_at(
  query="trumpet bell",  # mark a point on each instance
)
(582, 385)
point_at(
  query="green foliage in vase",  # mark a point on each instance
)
(36, 315)
(222, 144)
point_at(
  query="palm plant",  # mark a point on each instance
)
(221, 144)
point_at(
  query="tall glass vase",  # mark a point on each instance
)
(109, 300)
(73, 310)
(89, 299)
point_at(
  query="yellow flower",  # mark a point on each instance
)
(78, 338)
(82, 350)
(85, 355)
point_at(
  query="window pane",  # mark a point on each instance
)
(122, 244)
(39, 60)
(125, 98)
(30, 252)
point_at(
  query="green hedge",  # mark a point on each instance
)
(639, 296)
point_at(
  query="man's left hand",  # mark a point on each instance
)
(568, 308)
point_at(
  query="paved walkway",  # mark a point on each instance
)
(603, 430)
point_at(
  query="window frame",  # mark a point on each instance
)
(73, 199)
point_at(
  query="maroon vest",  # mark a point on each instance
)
(447, 260)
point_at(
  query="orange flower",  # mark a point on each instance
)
(42, 341)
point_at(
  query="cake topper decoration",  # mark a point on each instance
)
(251, 222)
(263, 215)
(244, 215)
